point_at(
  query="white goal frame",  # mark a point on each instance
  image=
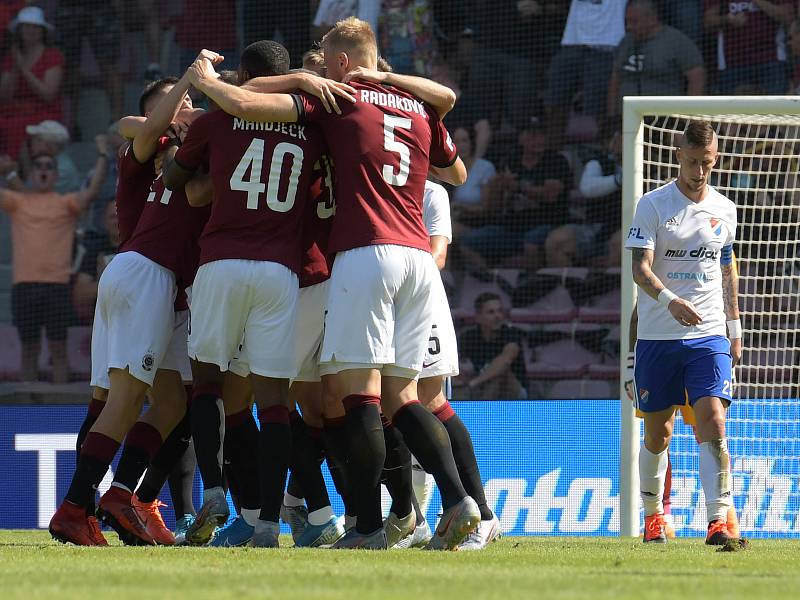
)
(635, 108)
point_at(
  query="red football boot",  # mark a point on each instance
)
(116, 510)
(654, 529)
(150, 516)
(70, 524)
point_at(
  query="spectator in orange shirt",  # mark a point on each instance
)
(42, 236)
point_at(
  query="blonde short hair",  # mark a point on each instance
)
(353, 36)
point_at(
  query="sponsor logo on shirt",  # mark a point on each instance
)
(671, 223)
(636, 233)
(739, 7)
(701, 253)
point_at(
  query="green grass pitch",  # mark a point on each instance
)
(33, 566)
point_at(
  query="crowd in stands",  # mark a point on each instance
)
(537, 122)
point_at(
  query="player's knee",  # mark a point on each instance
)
(430, 392)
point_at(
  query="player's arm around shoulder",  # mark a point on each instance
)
(239, 102)
(439, 97)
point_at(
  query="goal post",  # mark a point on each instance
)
(759, 170)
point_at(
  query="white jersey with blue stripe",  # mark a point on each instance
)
(687, 239)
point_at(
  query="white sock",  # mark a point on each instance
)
(321, 516)
(250, 515)
(715, 476)
(652, 475)
(117, 484)
(290, 500)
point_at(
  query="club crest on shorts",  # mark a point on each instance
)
(148, 360)
(643, 395)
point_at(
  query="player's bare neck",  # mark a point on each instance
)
(694, 196)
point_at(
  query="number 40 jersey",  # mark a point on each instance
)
(261, 174)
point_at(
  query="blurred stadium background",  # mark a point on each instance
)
(538, 122)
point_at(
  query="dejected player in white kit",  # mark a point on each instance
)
(682, 243)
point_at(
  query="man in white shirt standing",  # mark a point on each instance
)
(682, 243)
(593, 30)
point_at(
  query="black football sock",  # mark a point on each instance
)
(241, 458)
(165, 460)
(366, 454)
(305, 464)
(397, 471)
(93, 411)
(427, 439)
(293, 486)
(207, 417)
(181, 483)
(334, 436)
(274, 452)
(141, 445)
(464, 455)
(97, 452)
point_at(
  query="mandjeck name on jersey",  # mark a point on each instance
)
(291, 129)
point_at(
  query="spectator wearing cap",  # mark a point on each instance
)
(42, 236)
(30, 84)
(52, 138)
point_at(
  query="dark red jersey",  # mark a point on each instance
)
(261, 174)
(317, 226)
(133, 185)
(168, 231)
(381, 147)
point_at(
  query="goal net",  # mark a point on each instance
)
(759, 145)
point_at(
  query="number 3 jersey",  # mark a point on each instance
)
(382, 147)
(687, 239)
(261, 174)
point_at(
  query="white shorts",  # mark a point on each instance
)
(379, 310)
(308, 335)
(249, 303)
(134, 318)
(441, 358)
(177, 356)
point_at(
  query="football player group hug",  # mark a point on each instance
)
(282, 248)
